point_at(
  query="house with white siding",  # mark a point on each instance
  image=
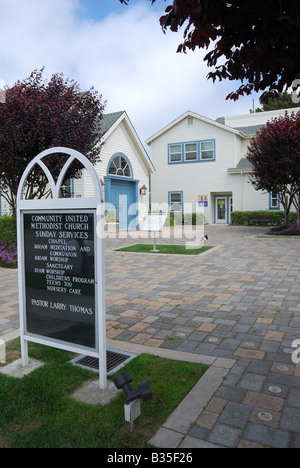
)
(201, 162)
(4, 206)
(124, 171)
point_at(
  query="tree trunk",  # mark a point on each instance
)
(284, 200)
(298, 220)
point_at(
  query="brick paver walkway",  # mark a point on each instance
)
(239, 302)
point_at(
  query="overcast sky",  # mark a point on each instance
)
(121, 51)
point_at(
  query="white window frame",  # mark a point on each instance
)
(177, 152)
(173, 203)
(274, 200)
(202, 151)
(120, 171)
(195, 151)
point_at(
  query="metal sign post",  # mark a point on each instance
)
(154, 243)
(61, 266)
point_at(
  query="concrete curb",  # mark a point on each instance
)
(173, 432)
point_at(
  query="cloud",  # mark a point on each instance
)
(125, 56)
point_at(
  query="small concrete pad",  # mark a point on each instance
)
(15, 368)
(91, 394)
(165, 438)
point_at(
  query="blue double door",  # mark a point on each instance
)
(123, 197)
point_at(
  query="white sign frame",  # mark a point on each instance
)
(154, 222)
(63, 205)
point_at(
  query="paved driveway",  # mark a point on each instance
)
(240, 301)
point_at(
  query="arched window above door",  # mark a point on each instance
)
(120, 166)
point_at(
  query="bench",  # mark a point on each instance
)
(259, 218)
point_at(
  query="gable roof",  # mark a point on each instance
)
(250, 130)
(246, 130)
(108, 120)
(196, 116)
(111, 121)
(250, 124)
(244, 126)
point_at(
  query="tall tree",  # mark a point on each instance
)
(283, 101)
(37, 115)
(275, 157)
(254, 41)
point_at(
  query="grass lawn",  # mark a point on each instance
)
(164, 249)
(37, 411)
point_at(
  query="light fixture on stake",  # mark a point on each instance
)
(132, 407)
(202, 240)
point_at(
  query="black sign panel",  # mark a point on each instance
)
(60, 276)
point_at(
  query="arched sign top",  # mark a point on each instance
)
(61, 264)
(56, 186)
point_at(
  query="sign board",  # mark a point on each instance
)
(154, 222)
(61, 267)
(202, 201)
(60, 276)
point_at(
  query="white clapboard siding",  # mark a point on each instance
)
(119, 142)
(122, 139)
(227, 175)
(5, 207)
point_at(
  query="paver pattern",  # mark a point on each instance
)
(240, 301)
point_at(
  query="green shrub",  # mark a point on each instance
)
(8, 245)
(188, 219)
(8, 230)
(169, 221)
(240, 218)
(194, 219)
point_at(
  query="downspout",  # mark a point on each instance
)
(242, 190)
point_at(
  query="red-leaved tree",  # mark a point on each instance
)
(254, 41)
(275, 157)
(37, 115)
